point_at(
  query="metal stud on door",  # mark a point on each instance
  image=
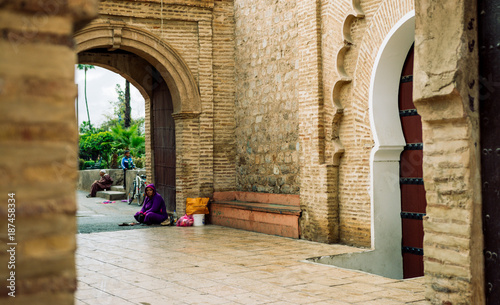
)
(489, 113)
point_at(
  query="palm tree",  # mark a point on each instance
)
(128, 139)
(85, 68)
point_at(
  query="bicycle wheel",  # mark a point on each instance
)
(131, 193)
(141, 197)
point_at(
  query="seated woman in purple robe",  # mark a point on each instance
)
(154, 210)
(103, 184)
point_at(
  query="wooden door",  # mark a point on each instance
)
(163, 142)
(413, 202)
(489, 113)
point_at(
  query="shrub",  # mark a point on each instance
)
(94, 145)
(139, 162)
(88, 164)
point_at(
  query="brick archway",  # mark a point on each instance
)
(173, 69)
(145, 57)
(378, 76)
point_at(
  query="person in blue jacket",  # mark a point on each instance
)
(126, 164)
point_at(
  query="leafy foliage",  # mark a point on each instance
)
(95, 145)
(128, 139)
(111, 139)
(87, 128)
(88, 163)
(120, 113)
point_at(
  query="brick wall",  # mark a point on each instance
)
(38, 139)
(366, 34)
(202, 33)
(224, 88)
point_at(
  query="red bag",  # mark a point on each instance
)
(185, 221)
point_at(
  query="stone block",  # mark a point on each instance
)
(112, 195)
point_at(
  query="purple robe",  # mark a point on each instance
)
(104, 183)
(154, 208)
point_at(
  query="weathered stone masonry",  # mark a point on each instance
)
(267, 98)
(38, 135)
(453, 239)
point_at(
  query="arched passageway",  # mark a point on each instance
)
(171, 97)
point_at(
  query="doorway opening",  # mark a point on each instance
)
(385, 257)
(413, 200)
(159, 125)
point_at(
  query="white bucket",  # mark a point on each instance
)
(199, 220)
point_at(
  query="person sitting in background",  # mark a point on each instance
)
(154, 210)
(126, 163)
(104, 183)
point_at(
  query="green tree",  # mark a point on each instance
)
(85, 68)
(93, 145)
(128, 139)
(120, 113)
(86, 128)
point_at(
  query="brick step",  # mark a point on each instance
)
(268, 218)
(112, 195)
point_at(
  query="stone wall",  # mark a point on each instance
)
(87, 177)
(267, 144)
(447, 100)
(39, 149)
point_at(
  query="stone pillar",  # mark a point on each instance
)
(318, 191)
(187, 141)
(446, 96)
(38, 140)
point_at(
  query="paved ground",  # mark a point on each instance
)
(217, 265)
(94, 216)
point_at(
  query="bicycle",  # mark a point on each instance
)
(137, 190)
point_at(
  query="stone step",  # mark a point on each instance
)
(112, 195)
(118, 188)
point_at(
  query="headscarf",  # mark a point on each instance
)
(155, 203)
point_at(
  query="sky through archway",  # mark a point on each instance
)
(101, 84)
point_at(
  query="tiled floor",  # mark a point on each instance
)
(217, 265)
